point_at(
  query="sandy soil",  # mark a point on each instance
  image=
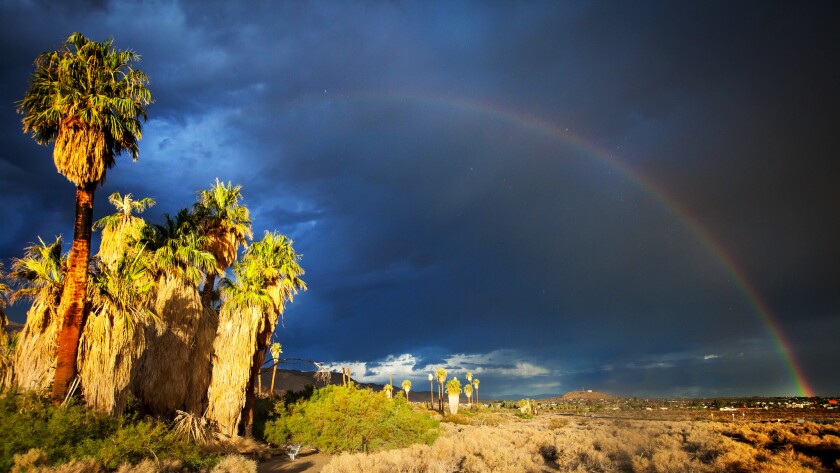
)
(311, 462)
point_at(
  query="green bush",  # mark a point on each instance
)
(344, 418)
(73, 432)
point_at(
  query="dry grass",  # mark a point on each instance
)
(553, 443)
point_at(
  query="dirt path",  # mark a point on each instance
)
(304, 463)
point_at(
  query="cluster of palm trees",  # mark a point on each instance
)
(144, 317)
(440, 375)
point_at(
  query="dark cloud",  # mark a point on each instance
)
(407, 149)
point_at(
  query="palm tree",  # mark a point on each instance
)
(6, 368)
(389, 389)
(121, 229)
(475, 384)
(468, 390)
(431, 391)
(440, 374)
(406, 385)
(87, 99)
(121, 295)
(4, 291)
(39, 277)
(276, 350)
(267, 277)
(113, 339)
(227, 225)
(174, 371)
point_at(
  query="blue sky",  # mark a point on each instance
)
(454, 174)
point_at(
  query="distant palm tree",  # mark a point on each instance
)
(406, 385)
(431, 390)
(226, 223)
(475, 384)
(389, 390)
(440, 374)
(468, 390)
(38, 277)
(88, 99)
(276, 350)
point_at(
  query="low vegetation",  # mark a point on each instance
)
(345, 418)
(564, 443)
(34, 433)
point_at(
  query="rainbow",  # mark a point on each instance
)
(704, 236)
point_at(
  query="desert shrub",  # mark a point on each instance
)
(548, 452)
(342, 418)
(235, 464)
(75, 434)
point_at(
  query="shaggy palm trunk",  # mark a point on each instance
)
(234, 347)
(172, 370)
(73, 309)
(108, 351)
(33, 359)
(256, 365)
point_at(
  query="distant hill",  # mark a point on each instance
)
(583, 396)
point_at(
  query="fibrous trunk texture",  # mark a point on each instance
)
(109, 350)
(34, 356)
(73, 309)
(233, 355)
(164, 377)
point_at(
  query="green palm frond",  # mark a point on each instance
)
(39, 275)
(88, 99)
(126, 206)
(224, 220)
(178, 248)
(124, 290)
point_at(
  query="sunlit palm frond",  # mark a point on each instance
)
(39, 275)
(89, 100)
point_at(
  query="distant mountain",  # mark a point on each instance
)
(583, 396)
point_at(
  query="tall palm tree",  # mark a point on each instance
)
(226, 223)
(38, 277)
(468, 390)
(440, 374)
(87, 98)
(475, 384)
(174, 371)
(267, 277)
(276, 350)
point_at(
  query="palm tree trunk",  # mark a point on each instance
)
(273, 375)
(207, 290)
(256, 365)
(73, 310)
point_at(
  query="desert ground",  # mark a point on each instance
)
(638, 440)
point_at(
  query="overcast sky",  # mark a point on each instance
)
(554, 195)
